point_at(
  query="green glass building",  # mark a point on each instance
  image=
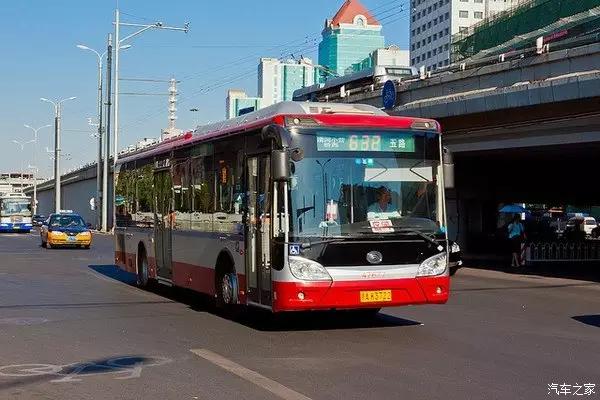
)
(239, 103)
(349, 39)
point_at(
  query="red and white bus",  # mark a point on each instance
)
(299, 206)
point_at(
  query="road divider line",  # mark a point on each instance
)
(251, 376)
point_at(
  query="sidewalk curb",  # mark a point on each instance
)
(101, 233)
(549, 281)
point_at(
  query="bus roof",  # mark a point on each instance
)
(341, 114)
(14, 195)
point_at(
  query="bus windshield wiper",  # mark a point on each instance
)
(423, 235)
(308, 245)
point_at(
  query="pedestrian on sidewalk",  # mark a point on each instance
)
(516, 235)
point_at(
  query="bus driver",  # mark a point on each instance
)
(383, 207)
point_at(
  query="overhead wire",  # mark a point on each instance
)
(233, 78)
(209, 87)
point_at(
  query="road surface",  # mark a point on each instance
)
(73, 327)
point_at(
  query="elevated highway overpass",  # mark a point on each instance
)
(524, 130)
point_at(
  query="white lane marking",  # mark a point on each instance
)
(251, 376)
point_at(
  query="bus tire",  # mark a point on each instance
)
(142, 268)
(226, 283)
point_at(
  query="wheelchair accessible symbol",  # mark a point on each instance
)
(294, 249)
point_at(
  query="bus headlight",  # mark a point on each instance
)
(455, 248)
(433, 266)
(308, 270)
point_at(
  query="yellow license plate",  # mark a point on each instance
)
(375, 296)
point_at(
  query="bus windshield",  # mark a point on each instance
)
(360, 183)
(15, 207)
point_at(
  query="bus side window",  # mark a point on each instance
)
(202, 194)
(144, 196)
(181, 191)
(228, 216)
(123, 196)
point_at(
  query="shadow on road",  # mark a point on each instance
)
(112, 272)
(263, 320)
(317, 320)
(119, 368)
(593, 320)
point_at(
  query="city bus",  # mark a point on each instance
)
(298, 206)
(15, 213)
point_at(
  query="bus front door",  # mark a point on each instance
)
(163, 224)
(258, 237)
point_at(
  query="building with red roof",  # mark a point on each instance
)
(349, 38)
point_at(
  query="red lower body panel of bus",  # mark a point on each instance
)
(298, 296)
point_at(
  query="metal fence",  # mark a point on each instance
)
(563, 252)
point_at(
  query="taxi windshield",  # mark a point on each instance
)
(67, 221)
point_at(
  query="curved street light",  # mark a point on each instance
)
(36, 171)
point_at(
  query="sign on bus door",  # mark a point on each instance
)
(164, 220)
(258, 237)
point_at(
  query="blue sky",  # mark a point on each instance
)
(221, 51)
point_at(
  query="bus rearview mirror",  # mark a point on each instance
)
(449, 176)
(448, 164)
(278, 135)
(280, 165)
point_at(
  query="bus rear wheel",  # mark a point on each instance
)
(142, 269)
(226, 286)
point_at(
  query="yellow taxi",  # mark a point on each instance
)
(65, 229)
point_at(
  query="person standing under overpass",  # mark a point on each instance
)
(516, 235)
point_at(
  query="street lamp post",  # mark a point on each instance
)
(99, 193)
(35, 139)
(22, 145)
(195, 110)
(57, 115)
(35, 170)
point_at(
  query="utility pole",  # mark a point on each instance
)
(57, 186)
(57, 116)
(107, 141)
(118, 47)
(100, 134)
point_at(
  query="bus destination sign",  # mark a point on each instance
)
(393, 143)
